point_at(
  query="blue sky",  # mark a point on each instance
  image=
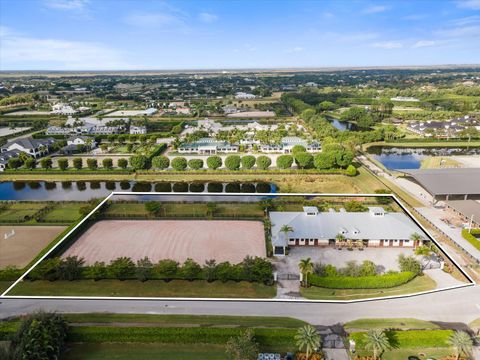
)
(122, 34)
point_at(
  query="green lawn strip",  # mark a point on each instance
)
(16, 212)
(400, 323)
(279, 339)
(157, 288)
(471, 238)
(122, 351)
(64, 212)
(4, 285)
(201, 320)
(384, 281)
(423, 353)
(409, 339)
(419, 284)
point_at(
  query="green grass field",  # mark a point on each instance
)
(126, 351)
(66, 213)
(151, 288)
(420, 283)
(439, 162)
(400, 323)
(4, 285)
(16, 212)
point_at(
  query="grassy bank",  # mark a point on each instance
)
(399, 323)
(420, 283)
(426, 143)
(151, 288)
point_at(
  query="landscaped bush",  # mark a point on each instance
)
(214, 162)
(351, 170)
(248, 161)
(122, 163)
(304, 160)
(409, 264)
(46, 163)
(161, 162)
(361, 282)
(78, 163)
(139, 162)
(284, 161)
(264, 162)
(471, 238)
(107, 163)
(215, 187)
(30, 163)
(92, 164)
(179, 163)
(195, 164)
(232, 162)
(180, 187)
(324, 160)
(62, 163)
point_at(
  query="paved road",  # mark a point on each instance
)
(459, 305)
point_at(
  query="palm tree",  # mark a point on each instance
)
(377, 341)
(306, 267)
(308, 338)
(425, 252)
(340, 238)
(416, 237)
(462, 342)
(286, 229)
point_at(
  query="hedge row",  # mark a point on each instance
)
(471, 238)
(420, 339)
(361, 282)
(181, 335)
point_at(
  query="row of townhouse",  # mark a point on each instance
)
(450, 128)
(207, 146)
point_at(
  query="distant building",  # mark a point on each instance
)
(33, 147)
(136, 130)
(82, 140)
(287, 143)
(207, 146)
(404, 98)
(88, 126)
(449, 128)
(63, 109)
(244, 96)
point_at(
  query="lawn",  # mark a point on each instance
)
(4, 285)
(420, 283)
(438, 162)
(16, 212)
(400, 323)
(127, 351)
(151, 288)
(410, 342)
(64, 212)
(189, 320)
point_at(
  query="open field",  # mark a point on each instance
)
(439, 162)
(19, 211)
(199, 240)
(418, 284)
(27, 242)
(64, 212)
(150, 288)
(126, 351)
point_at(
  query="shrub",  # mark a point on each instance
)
(361, 282)
(324, 161)
(30, 163)
(62, 163)
(195, 164)
(409, 264)
(77, 163)
(190, 270)
(355, 206)
(384, 200)
(179, 163)
(161, 162)
(121, 268)
(263, 162)
(97, 271)
(284, 161)
(122, 163)
(351, 170)
(232, 162)
(139, 162)
(298, 149)
(153, 207)
(92, 164)
(107, 163)
(248, 161)
(304, 160)
(214, 162)
(71, 268)
(46, 163)
(143, 269)
(48, 269)
(14, 163)
(166, 268)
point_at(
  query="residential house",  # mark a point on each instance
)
(33, 147)
(244, 96)
(63, 109)
(207, 146)
(138, 130)
(287, 143)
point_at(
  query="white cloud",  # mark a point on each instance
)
(43, 53)
(207, 17)
(469, 4)
(475, 19)
(67, 5)
(387, 45)
(424, 43)
(415, 17)
(375, 9)
(460, 31)
(295, 49)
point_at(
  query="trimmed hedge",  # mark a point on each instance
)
(361, 282)
(410, 338)
(471, 238)
(181, 335)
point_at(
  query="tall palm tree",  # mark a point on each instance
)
(286, 229)
(308, 338)
(416, 237)
(306, 268)
(377, 341)
(462, 342)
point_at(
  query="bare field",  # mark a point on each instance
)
(200, 240)
(27, 242)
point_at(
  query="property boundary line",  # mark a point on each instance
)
(268, 195)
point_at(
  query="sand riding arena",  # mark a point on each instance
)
(200, 240)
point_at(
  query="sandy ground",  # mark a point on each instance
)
(27, 242)
(199, 240)
(252, 114)
(470, 161)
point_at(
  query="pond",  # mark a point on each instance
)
(86, 190)
(343, 125)
(411, 158)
